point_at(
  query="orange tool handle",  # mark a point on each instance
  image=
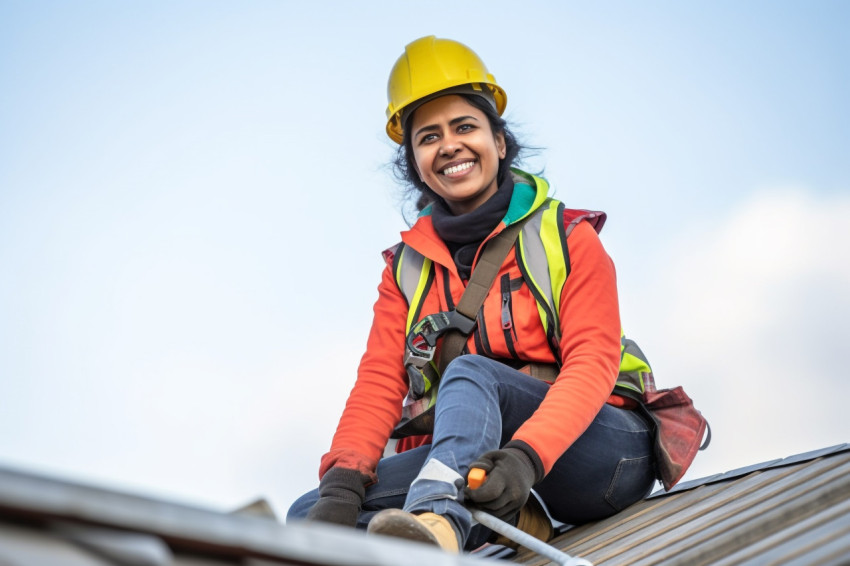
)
(476, 477)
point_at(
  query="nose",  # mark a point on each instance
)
(450, 146)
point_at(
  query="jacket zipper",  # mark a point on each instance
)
(507, 314)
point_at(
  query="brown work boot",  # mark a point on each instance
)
(427, 527)
(532, 519)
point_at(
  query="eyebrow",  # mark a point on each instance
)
(452, 122)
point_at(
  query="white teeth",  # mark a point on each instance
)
(458, 168)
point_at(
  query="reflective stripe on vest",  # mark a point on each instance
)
(413, 274)
(543, 259)
(544, 262)
(634, 367)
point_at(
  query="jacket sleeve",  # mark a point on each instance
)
(373, 407)
(590, 350)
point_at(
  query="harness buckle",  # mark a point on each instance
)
(422, 338)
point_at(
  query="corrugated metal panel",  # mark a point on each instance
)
(792, 511)
(90, 526)
(28, 546)
(789, 511)
(20, 546)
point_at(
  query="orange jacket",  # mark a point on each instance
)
(589, 344)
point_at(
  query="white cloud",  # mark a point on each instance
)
(748, 313)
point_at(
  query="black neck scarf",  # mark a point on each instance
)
(464, 233)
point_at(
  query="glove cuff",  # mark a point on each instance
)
(534, 462)
(345, 484)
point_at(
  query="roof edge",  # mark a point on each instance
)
(739, 472)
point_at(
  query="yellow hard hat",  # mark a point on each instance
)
(430, 65)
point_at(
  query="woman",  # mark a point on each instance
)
(572, 436)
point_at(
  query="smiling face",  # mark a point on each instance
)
(456, 152)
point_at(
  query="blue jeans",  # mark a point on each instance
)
(481, 403)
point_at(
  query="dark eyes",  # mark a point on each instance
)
(461, 129)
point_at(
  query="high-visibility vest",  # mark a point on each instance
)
(543, 259)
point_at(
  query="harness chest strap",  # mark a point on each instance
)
(480, 281)
(543, 259)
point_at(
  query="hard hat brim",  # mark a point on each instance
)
(492, 93)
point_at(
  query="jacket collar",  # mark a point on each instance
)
(530, 191)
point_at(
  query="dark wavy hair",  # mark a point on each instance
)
(404, 164)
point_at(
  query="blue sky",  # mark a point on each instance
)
(194, 197)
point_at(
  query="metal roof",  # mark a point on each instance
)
(790, 511)
(46, 522)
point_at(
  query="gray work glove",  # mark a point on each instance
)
(341, 494)
(511, 473)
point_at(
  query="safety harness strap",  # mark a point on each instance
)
(489, 263)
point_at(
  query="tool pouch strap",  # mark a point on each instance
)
(541, 371)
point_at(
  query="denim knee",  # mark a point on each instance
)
(299, 509)
(472, 367)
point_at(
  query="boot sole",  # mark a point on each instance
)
(400, 524)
